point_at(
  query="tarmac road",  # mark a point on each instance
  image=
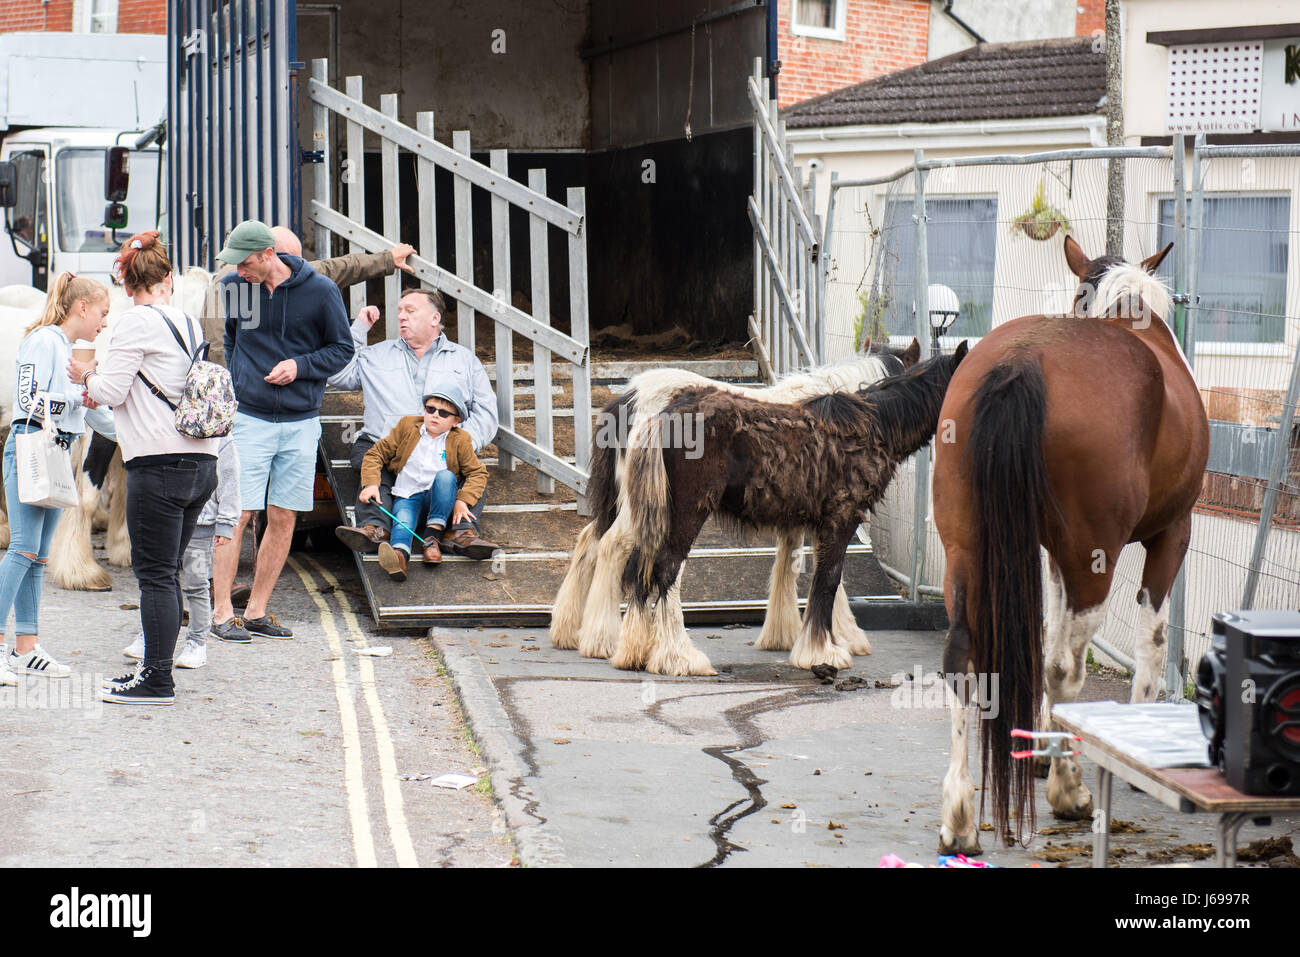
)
(285, 753)
(276, 753)
(760, 766)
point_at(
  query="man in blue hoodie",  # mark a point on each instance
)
(286, 333)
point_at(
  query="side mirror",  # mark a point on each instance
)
(8, 185)
(117, 174)
(115, 216)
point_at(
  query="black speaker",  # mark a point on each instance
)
(1248, 699)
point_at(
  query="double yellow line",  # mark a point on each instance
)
(354, 774)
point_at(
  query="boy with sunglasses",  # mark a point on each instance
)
(439, 478)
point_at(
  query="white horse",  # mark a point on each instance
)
(72, 562)
(585, 614)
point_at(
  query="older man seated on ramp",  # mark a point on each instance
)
(393, 376)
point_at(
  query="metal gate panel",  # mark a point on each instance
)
(232, 152)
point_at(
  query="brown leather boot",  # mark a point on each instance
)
(393, 561)
(365, 539)
(432, 553)
(466, 542)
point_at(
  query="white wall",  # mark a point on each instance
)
(999, 21)
(1146, 93)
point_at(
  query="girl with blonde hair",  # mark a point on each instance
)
(75, 308)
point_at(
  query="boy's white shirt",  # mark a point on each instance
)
(428, 458)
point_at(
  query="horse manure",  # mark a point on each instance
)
(713, 636)
(129, 607)
(886, 684)
(1197, 852)
(851, 683)
(826, 673)
(1266, 849)
(734, 625)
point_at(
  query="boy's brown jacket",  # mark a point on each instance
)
(392, 451)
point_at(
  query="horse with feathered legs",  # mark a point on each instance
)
(585, 614)
(1078, 434)
(821, 463)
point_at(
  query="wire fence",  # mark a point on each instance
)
(992, 239)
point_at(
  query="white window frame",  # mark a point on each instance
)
(838, 32)
(1212, 347)
(84, 15)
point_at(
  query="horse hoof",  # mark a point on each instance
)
(960, 844)
(1081, 812)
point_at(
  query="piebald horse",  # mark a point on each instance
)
(585, 613)
(820, 463)
(1079, 434)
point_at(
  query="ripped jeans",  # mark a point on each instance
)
(30, 530)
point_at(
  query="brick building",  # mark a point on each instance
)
(824, 45)
(83, 16)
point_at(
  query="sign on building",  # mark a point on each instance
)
(1280, 87)
(1235, 86)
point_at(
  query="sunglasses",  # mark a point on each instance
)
(440, 413)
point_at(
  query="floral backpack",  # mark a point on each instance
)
(207, 406)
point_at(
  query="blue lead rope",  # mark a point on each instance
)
(401, 523)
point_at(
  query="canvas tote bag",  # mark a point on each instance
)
(44, 466)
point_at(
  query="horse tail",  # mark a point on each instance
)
(1011, 496)
(608, 446)
(647, 496)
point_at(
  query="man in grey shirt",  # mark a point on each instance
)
(392, 376)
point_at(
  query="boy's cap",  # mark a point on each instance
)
(449, 392)
(245, 239)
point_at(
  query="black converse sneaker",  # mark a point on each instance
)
(150, 686)
(125, 679)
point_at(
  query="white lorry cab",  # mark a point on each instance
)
(81, 160)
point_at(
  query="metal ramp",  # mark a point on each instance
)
(725, 580)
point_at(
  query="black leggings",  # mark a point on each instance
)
(164, 496)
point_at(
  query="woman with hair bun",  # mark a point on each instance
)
(169, 475)
(74, 309)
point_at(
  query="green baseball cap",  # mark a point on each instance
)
(245, 239)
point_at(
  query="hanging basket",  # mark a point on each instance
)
(1039, 229)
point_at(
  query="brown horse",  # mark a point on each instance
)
(1079, 435)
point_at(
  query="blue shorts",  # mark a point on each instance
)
(277, 462)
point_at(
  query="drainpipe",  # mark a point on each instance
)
(947, 12)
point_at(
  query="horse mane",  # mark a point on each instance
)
(840, 377)
(1123, 284)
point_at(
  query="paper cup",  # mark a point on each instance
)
(83, 351)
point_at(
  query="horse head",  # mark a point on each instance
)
(1108, 282)
(906, 358)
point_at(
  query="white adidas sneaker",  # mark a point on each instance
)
(7, 678)
(38, 661)
(195, 655)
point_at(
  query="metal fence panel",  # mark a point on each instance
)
(991, 230)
